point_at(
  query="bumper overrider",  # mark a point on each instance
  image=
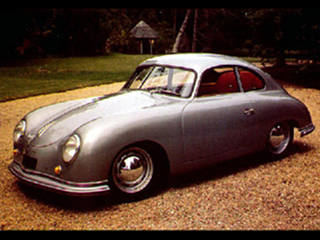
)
(306, 130)
(51, 183)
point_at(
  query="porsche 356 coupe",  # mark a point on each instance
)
(175, 114)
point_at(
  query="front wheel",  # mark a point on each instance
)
(133, 173)
(280, 139)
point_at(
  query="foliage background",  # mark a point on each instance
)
(269, 33)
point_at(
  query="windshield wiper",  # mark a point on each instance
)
(165, 91)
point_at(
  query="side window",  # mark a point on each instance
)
(219, 80)
(250, 81)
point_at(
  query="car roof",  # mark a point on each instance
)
(197, 61)
(200, 62)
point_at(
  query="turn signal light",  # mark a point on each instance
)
(58, 170)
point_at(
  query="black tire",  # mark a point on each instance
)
(280, 139)
(133, 174)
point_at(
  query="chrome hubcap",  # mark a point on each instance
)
(279, 138)
(133, 170)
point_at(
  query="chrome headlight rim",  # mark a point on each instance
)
(71, 148)
(19, 131)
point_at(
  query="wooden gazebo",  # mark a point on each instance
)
(145, 35)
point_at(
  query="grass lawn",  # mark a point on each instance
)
(42, 76)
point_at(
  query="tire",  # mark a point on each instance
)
(133, 174)
(280, 139)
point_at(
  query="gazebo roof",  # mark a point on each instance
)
(143, 30)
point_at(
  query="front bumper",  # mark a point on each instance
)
(306, 130)
(54, 184)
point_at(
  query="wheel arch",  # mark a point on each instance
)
(293, 123)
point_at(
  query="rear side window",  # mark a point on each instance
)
(250, 81)
(219, 80)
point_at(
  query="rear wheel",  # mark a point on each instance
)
(280, 139)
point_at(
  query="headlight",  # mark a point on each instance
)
(19, 131)
(71, 148)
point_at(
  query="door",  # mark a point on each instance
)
(218, 122)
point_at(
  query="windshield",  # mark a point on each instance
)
(165, 80)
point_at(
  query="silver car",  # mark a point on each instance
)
(175, 114)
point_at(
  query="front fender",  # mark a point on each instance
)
(103, 139)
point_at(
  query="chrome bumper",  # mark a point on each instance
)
(306, 130)
(54, 184)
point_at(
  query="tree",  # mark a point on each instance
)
(176, 45)
(275, 31)
(195, 39)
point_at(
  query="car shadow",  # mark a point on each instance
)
(224, 169)
(109, 203)
(66, 202)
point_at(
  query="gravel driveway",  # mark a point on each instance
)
(247, 193)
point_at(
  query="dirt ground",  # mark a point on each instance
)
(247, 193)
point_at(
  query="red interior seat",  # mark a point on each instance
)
(227, 83)
(250, 81)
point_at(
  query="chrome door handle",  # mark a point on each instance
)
(248, 111)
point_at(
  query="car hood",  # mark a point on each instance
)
(64, 122)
